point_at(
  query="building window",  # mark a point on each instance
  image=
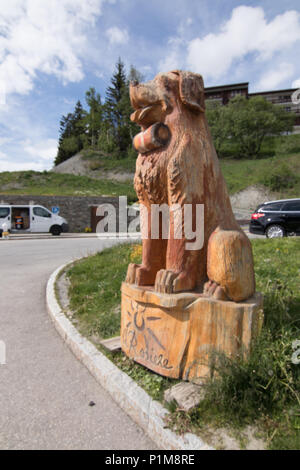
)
(235, 92)
(214, 97)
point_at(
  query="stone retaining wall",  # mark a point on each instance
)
(76, 210)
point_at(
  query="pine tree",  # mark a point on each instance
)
(70, 134)
(107, 127)
(114, 107)
(134, 75)
(78, 125)
(131, 128)
(93, 117)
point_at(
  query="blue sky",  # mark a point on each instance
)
(52, 51)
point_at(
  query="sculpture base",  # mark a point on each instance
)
(175, 334)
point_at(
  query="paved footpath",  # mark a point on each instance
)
(44, 390)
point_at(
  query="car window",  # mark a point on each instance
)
(40, 212)
(275, 206)
(4, 212)
(291, 206)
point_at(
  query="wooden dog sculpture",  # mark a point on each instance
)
(178, 165)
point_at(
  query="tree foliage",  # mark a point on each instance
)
(218, 123)
(92, 118)
(238, 129)
(71, 133)
(245, 123)
(102, 126)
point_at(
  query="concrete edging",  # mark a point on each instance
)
(141, 408)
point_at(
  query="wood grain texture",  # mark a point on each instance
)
(176, 335)
(186, 171)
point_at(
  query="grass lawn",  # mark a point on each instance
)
(263, 391)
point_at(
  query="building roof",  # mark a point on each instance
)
(289, 90)
(245, 85)
(234, 86)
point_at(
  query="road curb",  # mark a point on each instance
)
(102, 236)
(146, 412)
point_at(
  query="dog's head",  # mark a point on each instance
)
(153, 100)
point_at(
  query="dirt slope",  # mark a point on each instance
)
(82, 166)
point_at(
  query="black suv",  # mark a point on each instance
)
(276, 218)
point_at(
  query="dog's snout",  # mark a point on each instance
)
(134, 83)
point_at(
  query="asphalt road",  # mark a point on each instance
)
(44, 390)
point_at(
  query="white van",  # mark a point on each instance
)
(27, 219)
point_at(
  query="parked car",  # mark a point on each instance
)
(276, 218)
(27, 219)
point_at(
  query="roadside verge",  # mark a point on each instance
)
(146, 412)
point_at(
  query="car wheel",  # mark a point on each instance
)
(275, 231)
(56, 230)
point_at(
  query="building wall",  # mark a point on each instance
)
(222, 94)
(282, 98)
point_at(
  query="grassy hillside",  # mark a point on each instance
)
(280, 174)
(100, 161)
(47, 184)
(277, 168)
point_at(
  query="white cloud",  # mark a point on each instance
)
(43, 36)
(99, 74)
(274, 77)
(2, 94)
(296, 83)
(69, 102)
(3, 156)
(116, 35)
(6, 164)
(4, 140)
(36, 156)
(24, 141)
(45, 150)
(246, 32)
(170, 62)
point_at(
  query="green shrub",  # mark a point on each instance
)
(247, 123)
(95, 165)
(264, 387)
(288, 144)
(265, 383)
(131, 152)
(278, 176)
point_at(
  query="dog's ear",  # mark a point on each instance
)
(191, 90)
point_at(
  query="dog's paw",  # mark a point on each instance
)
(183, 282)
(144, 276)
(169, 282)
(164, 281)
(140, 275)
(131, 273)
(213, 289)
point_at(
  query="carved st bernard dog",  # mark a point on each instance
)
(178, 164)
